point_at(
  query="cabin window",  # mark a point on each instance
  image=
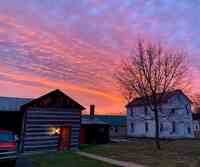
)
(145, 111)
(146, 127)
(161, 127)
(173, 127)
(132, 127)
(54, 131)
(189, 130)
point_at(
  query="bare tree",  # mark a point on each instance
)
(151, 71)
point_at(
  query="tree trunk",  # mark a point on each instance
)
(157, 135)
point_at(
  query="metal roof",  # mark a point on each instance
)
(92, 121)
(110, 119)
(12, 103)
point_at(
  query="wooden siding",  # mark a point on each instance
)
(37, 123)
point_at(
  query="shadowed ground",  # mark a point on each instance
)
(180, 153)
(23, 162)
(63, 159)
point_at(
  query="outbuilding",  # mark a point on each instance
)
(50, 122)
(118, 125)
(93, 130)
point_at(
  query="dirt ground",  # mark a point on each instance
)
(179, 153)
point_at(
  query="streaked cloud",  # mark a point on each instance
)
(75, 45)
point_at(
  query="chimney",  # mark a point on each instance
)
(92, 111)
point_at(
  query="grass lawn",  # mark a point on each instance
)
(65, 159)
(180, 153)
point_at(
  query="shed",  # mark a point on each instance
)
(118, 125)
(50, 122)
(10, 114)
(94, 131)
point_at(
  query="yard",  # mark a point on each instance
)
(64, 159)
(180, 153)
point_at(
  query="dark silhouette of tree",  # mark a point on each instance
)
(151, 71)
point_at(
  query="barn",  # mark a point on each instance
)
(48, 123)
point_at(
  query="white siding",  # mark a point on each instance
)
(182, 117)
(196, 128)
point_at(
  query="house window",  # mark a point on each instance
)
(131, 112)
(116, 129)
(146, 127)
(173, 127)
(145, 111)
(186, 107)
(173, 111)
(189, 130)
(161, 127)
(132, 127)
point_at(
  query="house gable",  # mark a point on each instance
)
(168, 98)
(179, 99)
(54, 99)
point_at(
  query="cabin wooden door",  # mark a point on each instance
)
(82, 136)
(65, 134)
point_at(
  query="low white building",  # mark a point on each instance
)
(175, 117)
(196, 124)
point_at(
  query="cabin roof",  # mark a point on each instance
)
(54, 97)
(12, 103)
(141, 101)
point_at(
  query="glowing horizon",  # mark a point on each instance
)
(75, 46)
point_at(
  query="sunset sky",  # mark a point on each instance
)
(75, 45)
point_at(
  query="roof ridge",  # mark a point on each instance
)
(140, 101)
(12, 97)
(106, 115)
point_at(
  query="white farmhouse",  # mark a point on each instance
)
(175, 117)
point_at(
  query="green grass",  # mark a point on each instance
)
(65, 159)
(180, 153)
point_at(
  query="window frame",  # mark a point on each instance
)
(132, 127)
(189, 130)
(173, 127)
(116, 129)
(145, 110)
(131, 112)
(161, 127)
(173, 111)
(146, 127)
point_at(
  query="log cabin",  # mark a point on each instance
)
(49, 123)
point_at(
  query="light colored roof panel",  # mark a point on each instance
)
(12, 103)
(92, 121)
(110, 119)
